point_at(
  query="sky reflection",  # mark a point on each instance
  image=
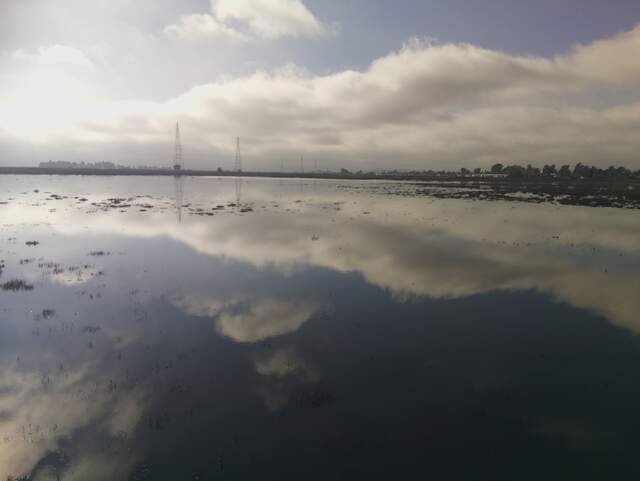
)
(340, 324)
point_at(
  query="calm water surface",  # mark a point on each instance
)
(202, 329)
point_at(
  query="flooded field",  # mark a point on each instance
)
(204, 328)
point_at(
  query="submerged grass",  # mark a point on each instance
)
(16, 285)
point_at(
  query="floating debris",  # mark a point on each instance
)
(46, 314)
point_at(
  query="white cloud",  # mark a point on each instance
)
(42, 408)
(264, 319)
(607, 60)
(55, 55)
(250, 320)
(198, 25)
(274, 368)
(423, 106)
(268, 19)
(283, 363)
(430, 264)
(271, 18)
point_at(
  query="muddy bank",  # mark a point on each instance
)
(615, 193)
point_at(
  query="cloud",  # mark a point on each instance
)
(198, 25)
(608, 60)
(264, 319)
(55, 55)
(45, 408)
(280, 370)
(283, 363)
(425, 105)
(267, 19)
(449, 251)
(248, 320)
(271, 19)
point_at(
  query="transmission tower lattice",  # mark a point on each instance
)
(178, 182)
(177, 153)
(238, 164)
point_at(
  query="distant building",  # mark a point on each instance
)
(63, 164)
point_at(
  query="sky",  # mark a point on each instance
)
(359, 84)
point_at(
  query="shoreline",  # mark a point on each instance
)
(618, 192)
(470, 179)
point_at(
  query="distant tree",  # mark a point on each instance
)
(477, 171)
(598, 172)
(515, 171)
(565, 171)
(549, 170)
(532, 171)
(623, 172)
(345, 172)
(497, 168)
(464, 171)
(580, 170)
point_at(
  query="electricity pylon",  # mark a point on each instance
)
(177, 153)
(238, 164)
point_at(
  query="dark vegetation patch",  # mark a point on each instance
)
(211, 211)
(618, 193)
(98, 253)
(113, 203)
(51, 266)
(581, 193)
(16, 285)
(45, 314)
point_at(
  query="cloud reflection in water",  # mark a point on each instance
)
(261, 312)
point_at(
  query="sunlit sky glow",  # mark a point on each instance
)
(356, 84)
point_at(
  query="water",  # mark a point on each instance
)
(312, 331)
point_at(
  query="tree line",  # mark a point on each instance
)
(579, 171)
